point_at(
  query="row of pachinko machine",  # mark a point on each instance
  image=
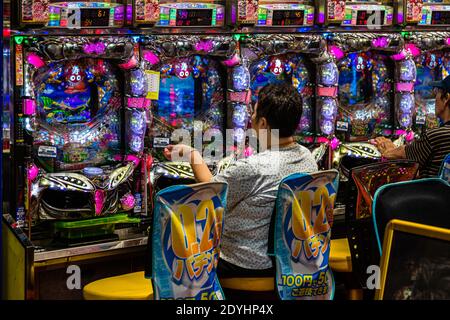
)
(99, 89)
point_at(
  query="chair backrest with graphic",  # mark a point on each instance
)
(365, 180)
(301, 232)
(444, 172)
(425, 201)
(187, 230)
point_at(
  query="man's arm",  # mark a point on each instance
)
(187, 153)
(395, 153)
(199, 167)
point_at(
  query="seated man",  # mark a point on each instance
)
(434, 145)
(253, 182)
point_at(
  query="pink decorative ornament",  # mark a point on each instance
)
(204, 45)
(409, 136)
(99, 199)
(381, 42)
(399, 56)
(447, 41)
(309, 139)
(334, 143)
(337, 52)
(150, 57)
(96, 48)
(127, 202)
(248, 152)
(322, 140)
(412, 49)
(132, 158)
(130, 64)
(233, 61)
(35, 60)
(33, 172)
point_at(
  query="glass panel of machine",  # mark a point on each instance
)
(365, 84)
(190, 90)
(73, 100)
(432, 66)
(285, 68)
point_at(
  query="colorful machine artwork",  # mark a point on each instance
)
(192, 81)
(302, 234)
(301, 60)
(431, 60)
(365, 89)
(85, 141)
(187, 230)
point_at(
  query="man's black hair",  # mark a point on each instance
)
(281, 105)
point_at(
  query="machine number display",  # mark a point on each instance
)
(94, 17)
(363, 17)
(194, 17)
(440, 17)
(288, 17)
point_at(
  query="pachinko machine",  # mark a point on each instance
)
(81, 115)
(181, 14)
(301, 60)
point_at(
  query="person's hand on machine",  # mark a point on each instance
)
(388, 149)
(181, 152)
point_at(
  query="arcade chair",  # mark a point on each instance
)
(424, 201)
(298, 195)
(193, 212)
(444, 172)
(414, 263)
(364, 182)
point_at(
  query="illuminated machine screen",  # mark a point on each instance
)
(274, 70)
(176, 102)
(365, 83)
(190, 94)
(432, 66)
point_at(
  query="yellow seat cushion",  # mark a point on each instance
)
(248, 284)
(130, 286)
(340, 259)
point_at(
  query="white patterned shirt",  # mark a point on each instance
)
(252, 189)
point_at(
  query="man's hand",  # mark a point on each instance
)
(383, 144)
(178, 152)
(388, 149)
(181, 152)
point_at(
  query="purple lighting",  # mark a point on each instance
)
(321, 18)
